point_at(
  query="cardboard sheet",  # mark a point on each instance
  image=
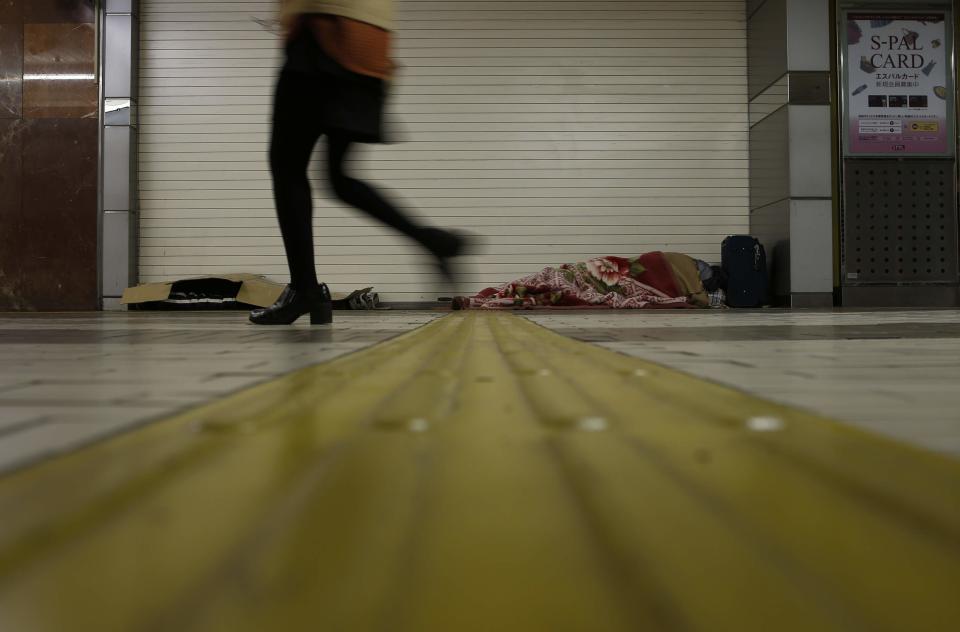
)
(254, 290)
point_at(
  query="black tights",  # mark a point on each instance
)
(295, 133)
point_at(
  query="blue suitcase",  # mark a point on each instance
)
(744, 262)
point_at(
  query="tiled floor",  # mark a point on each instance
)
(482, 473)
(891, 372)
(67, 380)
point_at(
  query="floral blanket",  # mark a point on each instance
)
(652, 280)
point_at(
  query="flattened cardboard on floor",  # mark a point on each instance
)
(255, 290)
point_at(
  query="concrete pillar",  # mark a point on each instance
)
(791, 157)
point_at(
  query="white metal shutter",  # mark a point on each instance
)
(556, 130)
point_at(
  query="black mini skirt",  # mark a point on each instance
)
(343, 101)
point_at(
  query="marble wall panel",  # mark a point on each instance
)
(11, 69)
(59, 67)
(58, 11)
(11, 11)
(59, 218)
(48, 155)
(11, 184)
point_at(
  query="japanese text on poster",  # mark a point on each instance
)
(897, 84)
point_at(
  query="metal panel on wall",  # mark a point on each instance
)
(899, 215)
(556, 131)
(900, 222)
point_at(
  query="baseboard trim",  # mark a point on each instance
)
(811, 300)
(901, 296)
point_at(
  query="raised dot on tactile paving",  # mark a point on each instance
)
(592, 424)
(543, 372)
(765, 424)
(419, 425)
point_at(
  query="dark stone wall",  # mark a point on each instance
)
(48, 155)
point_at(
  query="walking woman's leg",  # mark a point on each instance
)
(442, 244)
(361, 195)
(292, 142)
(293, 138)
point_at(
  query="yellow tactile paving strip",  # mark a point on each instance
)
(483, 473)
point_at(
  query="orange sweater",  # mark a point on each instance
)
(357, 46)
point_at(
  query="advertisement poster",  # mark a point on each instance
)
(897, 84)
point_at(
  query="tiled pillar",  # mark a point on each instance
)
(791, 155)
(120, 215)
(48, 155)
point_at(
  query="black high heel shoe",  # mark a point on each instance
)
(445, 247)
(293, 304)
